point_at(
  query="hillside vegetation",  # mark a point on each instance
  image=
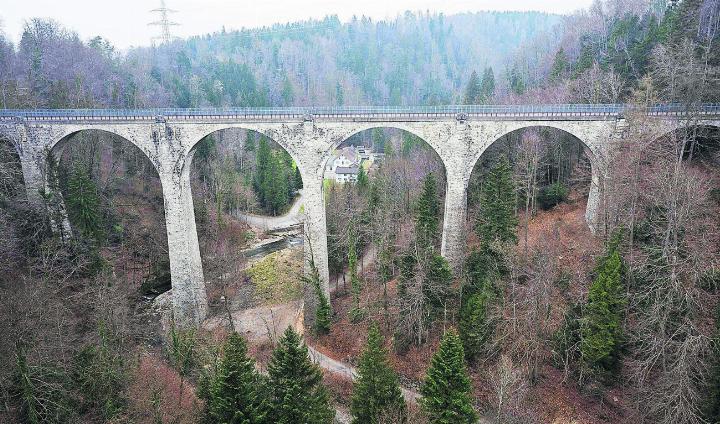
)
(545, 321)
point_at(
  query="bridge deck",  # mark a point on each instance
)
(361, 113)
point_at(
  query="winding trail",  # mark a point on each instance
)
(291, 218)
(339, 368)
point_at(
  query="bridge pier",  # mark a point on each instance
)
(315, 245)
(454, 235)
(34, 179)
(189, 297)
(41, 187)
(595, 205)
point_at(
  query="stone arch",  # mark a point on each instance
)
(141, 185)
(207, 242)
(667, 127)
(54, 145)
(591, 149)
(429, 142)
(58, 142)
(281, 141)
(674, 127)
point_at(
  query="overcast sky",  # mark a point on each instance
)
(124, 22)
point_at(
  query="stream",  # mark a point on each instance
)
(261, 250)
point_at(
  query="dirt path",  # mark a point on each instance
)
(338, 368)
(268, 223)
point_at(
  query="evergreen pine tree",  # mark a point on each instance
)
(601, 326)
(362, 179)
(482, 267)
(233, 397)
(487, 88)
(295, 385)
(355, 286)
(378, 140)
(42, 391)
(250, 141)
(517, 82)
(496, 220)
(277, 185)
(407, 271)
(437, 285)
(376, 391)
(559, 67)
(263, 157)
(374, 196)
(389, 149)
(298, 178)
(83, 203)
(339, 94)
(586, 58)
(409, 141)
(100, 374)
(288, 94)
(473, 90)
(446, 390)
(427, 215)
(474, 325)
(323, 312)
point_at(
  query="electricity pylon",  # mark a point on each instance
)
(164, 23)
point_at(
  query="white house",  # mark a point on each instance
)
(344, 168)
(346, 174)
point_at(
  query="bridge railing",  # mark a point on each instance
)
(360, 111)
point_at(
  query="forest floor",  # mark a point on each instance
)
(561, 233)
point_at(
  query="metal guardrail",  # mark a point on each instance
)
(569, 110)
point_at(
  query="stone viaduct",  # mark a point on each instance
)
(459, 135)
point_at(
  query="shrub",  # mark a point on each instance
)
(552, 195)
(101, 376)
(42, 392)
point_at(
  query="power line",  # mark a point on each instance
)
(164, 23)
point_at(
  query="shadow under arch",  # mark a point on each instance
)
(702, 137)
(587, 150)
(247, 128)
(248, 132)
(57, 146)
(131, 194)
(402, 130)
(228, 206)
(12, 181)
